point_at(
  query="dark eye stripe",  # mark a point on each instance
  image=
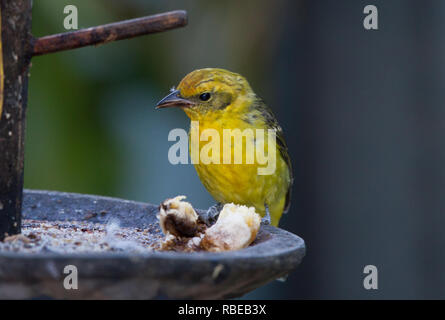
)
(225, 105)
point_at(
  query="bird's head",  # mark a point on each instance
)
(209, 91)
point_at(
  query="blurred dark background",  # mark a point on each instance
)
(362, 112)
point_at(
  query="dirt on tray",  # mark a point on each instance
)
(80, 237)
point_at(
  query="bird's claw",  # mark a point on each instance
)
(210, 216)
(266, 220)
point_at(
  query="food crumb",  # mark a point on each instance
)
(236, 228)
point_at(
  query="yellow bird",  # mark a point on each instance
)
(218, 99)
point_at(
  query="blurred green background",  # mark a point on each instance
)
(362, 111)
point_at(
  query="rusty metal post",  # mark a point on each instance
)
(109, 32)
(16, 36)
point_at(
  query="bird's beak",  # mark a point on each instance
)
(174, 99)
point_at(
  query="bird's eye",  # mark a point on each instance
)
(205, 96)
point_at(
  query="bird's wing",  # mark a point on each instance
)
(272, 123)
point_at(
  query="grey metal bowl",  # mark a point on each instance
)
(157, 275)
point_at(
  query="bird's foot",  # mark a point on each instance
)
(210, 216)
(266, 220)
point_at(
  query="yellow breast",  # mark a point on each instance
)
(237, 183)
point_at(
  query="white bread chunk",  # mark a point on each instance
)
(236, 228)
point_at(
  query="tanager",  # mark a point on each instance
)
(218, 99)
